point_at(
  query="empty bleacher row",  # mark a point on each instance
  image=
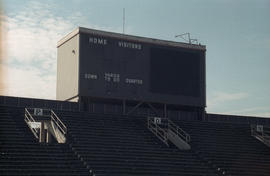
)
(229, 147)
(121, 145)
(22, 154)
(103, 144)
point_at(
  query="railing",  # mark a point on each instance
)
(158, 131)
(28, 118)
(58, 123)
(178, 131)
(48, 114)
(44, 113)
(261, 132)
(161, 126)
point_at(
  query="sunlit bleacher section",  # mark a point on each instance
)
(229, 147)
(22, 154)
(45, 125)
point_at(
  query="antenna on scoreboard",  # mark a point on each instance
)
(187, 39)
(124, 14)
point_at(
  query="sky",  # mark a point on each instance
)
(236, 34)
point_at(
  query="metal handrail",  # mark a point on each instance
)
(58, 122)
(44, 109)
(29, 118)
(47, 113)
(158, 131)
(176, 129)
(169, 126)
(263, 136)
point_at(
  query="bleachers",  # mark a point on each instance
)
(120, 145)
(229, 147)
(22, 154)
(115, 145)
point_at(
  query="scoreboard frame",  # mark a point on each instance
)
(95, 64)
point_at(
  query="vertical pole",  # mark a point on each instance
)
(165, 110)
(48, 137)
(123, 20)
(42, 132)
(124, 107)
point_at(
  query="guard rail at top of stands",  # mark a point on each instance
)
(107, 109)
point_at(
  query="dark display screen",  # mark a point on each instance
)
(118, 68)
(174, 72)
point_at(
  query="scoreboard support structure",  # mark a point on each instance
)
(131, 108)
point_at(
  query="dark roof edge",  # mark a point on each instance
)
(129, 37)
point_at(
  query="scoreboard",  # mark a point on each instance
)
(117, 66)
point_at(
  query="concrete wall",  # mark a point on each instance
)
(68, 69)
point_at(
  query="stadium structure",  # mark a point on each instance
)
(128, 106)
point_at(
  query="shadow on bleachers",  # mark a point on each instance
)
(122, 145)
(229, 147)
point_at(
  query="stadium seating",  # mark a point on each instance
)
(121, 145)
(21, 154)
(229, 147)
(110, 145)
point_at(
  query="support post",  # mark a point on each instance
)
(165, 110)
(124, 107)
(134, 108)
(42, 132)
(48, 137)
(154, 109)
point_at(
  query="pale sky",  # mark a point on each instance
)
(236, 34)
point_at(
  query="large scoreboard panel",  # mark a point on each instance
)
(119, 68)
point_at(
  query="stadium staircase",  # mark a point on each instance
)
(44, 124)
(123, 146)
(167, 131)
(22, 154)
(229, 148)
(262, 133)
(112, 145)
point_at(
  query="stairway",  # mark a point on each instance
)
(261, 132)
(166, 131)
(22, 154)
(121, 145)
(229, 148)
(44, 124)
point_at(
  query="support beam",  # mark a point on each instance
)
(165, 110)
(124, 107)
(134, 108)
(152, 107)
(48, 137)
(42, 132)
